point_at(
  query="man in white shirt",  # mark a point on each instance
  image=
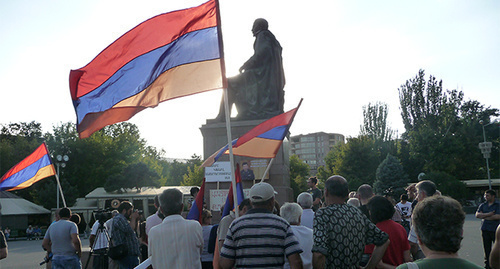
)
(176, 242)
(291, 212)
(156, 218)
(98, 241)
(305, 200)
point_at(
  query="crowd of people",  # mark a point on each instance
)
(333, 228)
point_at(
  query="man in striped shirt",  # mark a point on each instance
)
(260, 239)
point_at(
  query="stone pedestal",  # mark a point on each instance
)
(215, 137)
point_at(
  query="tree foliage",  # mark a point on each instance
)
(448, 185)
(375, 123)
(299, 172)
(194, 176)
(390, 176)
(443, 130)
(136, 175)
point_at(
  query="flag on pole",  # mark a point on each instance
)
(197, 207)
(168, 56)
(263, 141)
(229, 205)
(33, 168)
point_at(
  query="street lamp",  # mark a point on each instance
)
(485, 148)
(61, 161)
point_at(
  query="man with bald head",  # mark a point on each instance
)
(341, 231)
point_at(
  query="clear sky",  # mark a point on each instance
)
(338, 56)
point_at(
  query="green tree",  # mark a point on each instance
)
(356, 161)
(194, 177)
(299, 172)
(17, 141)
(135, 175)
(442, 131)
(448, 185)
(375, 123)
(390, 175)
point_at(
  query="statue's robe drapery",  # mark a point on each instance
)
(258, 91)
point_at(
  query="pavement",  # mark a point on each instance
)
(29, 254)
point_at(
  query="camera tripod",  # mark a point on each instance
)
(101, 253)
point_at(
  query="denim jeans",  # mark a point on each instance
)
(129, 262)
(66, 262)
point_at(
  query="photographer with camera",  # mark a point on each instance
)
(123, 235)
(99, 240)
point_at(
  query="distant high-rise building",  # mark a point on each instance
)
(312, 148)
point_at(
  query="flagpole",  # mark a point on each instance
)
(59, 189)
(267, 169)
(226, 108)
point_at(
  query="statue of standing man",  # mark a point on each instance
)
(257, 91)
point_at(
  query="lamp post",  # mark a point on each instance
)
(485, 148)
(61, 162)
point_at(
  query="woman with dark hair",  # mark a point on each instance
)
(398, 252)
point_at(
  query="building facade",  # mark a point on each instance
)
(313, 148)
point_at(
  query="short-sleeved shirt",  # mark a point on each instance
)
(316, 193)
(341, 233)
(122, 233)
(101, 240)
(152, 221)
(442, 263)
(260, 239)
(489, 225)
(405, 210)
(394, 255)
(59, 233)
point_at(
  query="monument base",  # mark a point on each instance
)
(215, 137)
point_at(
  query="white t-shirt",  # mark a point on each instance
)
(101, 241)
(405, 210)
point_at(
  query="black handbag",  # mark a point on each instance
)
(117, 252)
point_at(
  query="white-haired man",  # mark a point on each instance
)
(291, 212)
(305, 200)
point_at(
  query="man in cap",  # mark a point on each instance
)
(260, 239)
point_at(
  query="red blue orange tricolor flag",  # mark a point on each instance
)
(33, 168)
(229, 205)
(197, 207)
(263, 141)
(168, 56)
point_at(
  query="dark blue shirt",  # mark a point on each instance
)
(489, 225)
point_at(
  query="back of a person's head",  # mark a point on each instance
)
(246, 202)
(194, 190)
(314, 180)
(157, 201)
(206, 216)
(404, 197)
(337, 186)
(171, 201)
(365, 191)
(439, 223)
(427, 186)
(125, 205)
(65, 212)
(305, 200)
(291, 212)
(380, 209)
(354, 202)
(75, 218)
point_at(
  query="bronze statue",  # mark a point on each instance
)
(257, 91)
